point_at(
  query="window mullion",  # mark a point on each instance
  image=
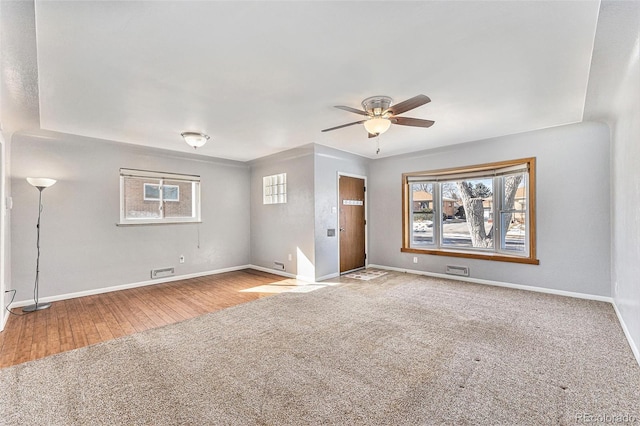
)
(496, 212)
(411, 216)
(527, 227)
(437, 214)
(161, 197)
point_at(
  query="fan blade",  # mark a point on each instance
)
(406, 121)
(409, 104)
(346, 108)
(344, 125)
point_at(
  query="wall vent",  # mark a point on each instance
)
(162, 272)
(458, 270)
(279, 266)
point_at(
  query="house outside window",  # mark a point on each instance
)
(169, 192)
(148, 197)
(483, 211)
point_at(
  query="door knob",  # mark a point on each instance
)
(341, 229)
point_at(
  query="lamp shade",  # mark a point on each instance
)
(41, 182)
(377, 125)
(195, 139)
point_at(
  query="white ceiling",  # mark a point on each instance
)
(262, 77)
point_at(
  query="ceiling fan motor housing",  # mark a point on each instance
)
(377, 105)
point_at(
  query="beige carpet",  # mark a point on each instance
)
(398, 350)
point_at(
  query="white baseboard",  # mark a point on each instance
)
(500, 284)
(283, 274)
(632, 344)
(272, 271)
(5, 319)
(328, 277)
(92, 292)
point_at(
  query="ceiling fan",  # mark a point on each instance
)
(381, 113)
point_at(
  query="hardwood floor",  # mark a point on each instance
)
(75, 323)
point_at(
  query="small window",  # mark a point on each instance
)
(274, 189)
(483, 212)
(148, 197)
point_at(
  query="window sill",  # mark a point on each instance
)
(498, 257)
(155, 223)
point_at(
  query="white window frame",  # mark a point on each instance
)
(161, 176)
(495, 171)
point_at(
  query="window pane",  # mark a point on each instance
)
(514, 212)
(151, 192)
(178, 199)
(514, 239)
(135, 204)
(467, 214)
(170, 192)
(422, 214)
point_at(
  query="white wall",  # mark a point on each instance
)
(328, 163)
(19, 107)
(5, 247)
(83, 249)
(614, 97)
(280, 230)
(572, 207)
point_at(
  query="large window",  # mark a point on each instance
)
(485, 211)
(155, 197)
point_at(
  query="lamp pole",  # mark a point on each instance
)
(40, 184)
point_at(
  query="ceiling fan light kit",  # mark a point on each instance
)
(195, 139)
(377, 125)
(381, 113)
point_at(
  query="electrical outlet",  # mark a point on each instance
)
(290, 257)
(182, 258)
(415, 259)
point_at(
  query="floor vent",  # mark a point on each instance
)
(458, 270)
(278, 265)
(162, 272)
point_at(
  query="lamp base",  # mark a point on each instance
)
(36, 307)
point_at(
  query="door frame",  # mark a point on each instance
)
(366, 216)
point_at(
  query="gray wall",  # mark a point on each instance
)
(280, 230)
(614, 97)
(83, 249)
(299, 227)
(625, 132)
(328, 163)
(572, 207)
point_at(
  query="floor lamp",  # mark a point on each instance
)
(40, 184)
